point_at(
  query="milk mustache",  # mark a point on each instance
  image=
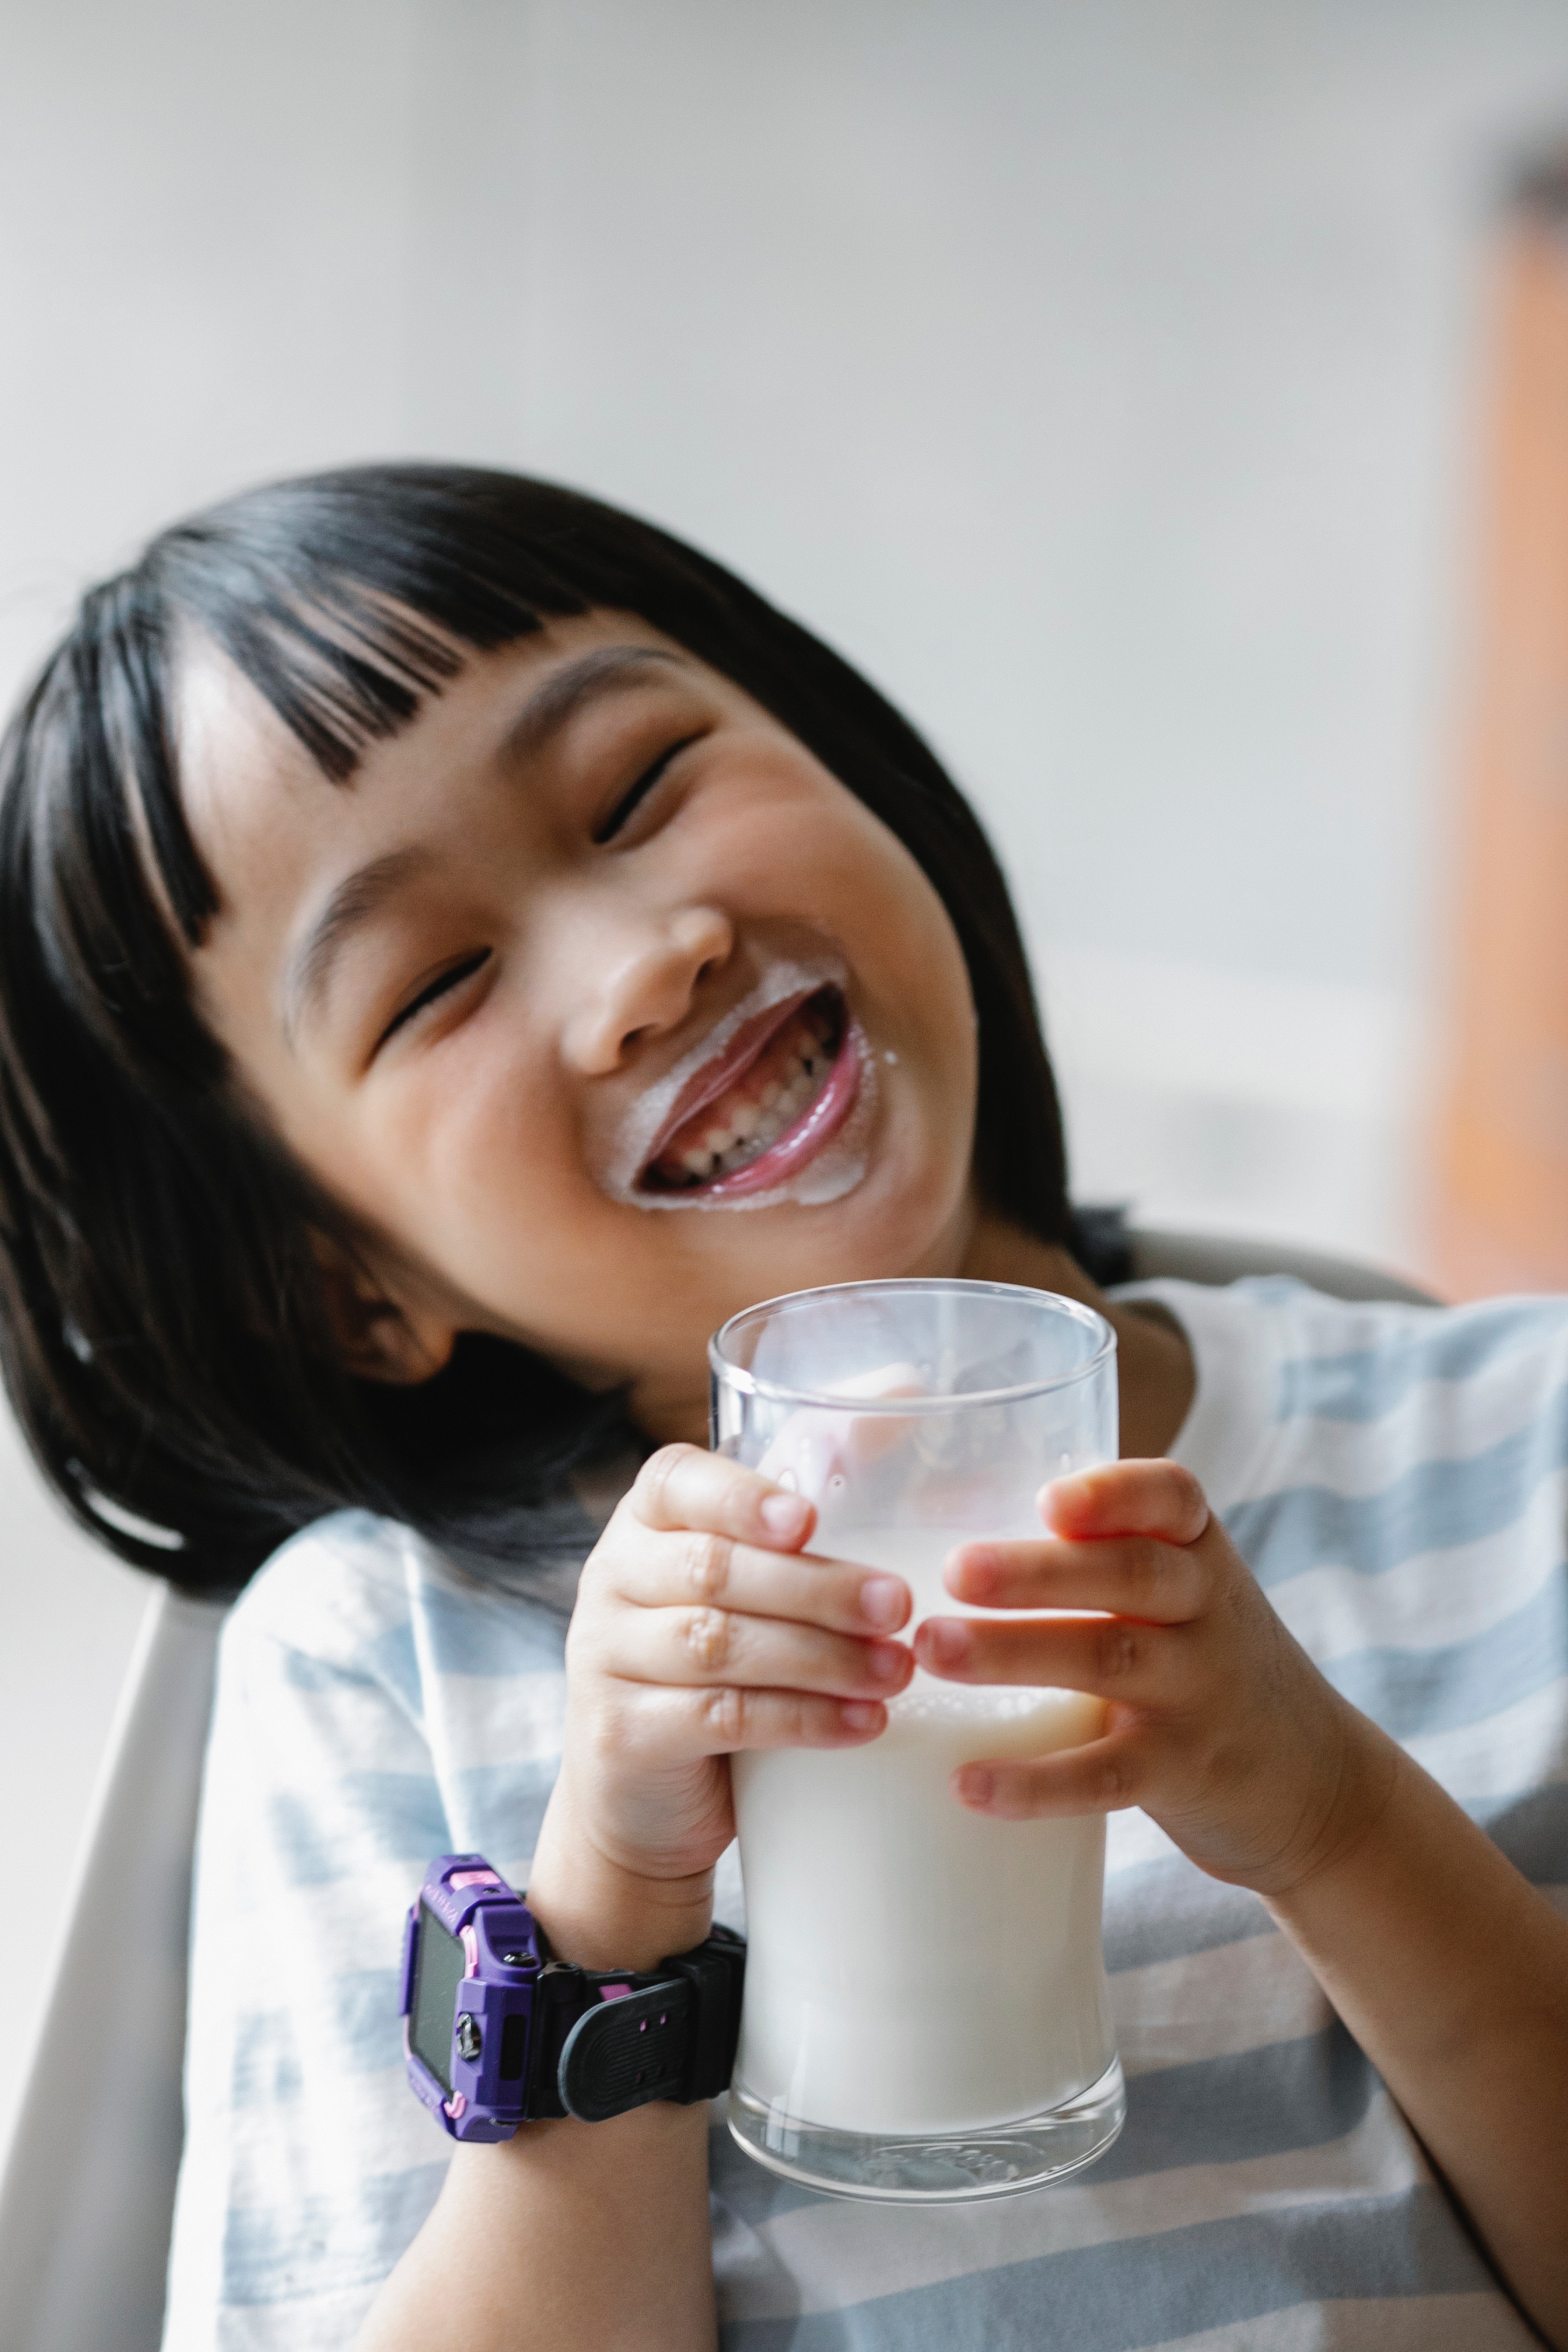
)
(913, 1966)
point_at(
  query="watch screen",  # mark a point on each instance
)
(437, 1972)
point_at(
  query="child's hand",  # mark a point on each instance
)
(702, 1628)
(1217, 1722)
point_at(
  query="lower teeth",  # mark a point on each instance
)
(700, 1165)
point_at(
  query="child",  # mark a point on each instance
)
(370, 854)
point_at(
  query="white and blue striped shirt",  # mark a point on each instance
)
(1396, 1477)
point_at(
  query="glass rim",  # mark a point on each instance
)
(738, 1377)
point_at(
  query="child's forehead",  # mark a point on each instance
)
(241, 767)
(277, 835)
(229, 743)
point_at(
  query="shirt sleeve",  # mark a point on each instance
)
(342, 1758)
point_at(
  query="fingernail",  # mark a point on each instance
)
(976, 1786)
(861, 1714)
(1069, 1490)
(784, 1515)
(946, 1641)
(882, 1600)
(889, 1660)
(977, 1570)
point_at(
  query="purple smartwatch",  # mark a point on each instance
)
(496, 2033)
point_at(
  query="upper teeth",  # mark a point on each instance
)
(748, 1128)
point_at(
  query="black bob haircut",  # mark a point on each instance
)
(163, 1328)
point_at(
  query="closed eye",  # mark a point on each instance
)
(619, 814)
(441, 986)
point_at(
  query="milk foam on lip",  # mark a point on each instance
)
(827, 1176)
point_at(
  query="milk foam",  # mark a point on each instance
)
(833, 1172)
(914, 1967)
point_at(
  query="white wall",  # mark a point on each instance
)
(1103, 379)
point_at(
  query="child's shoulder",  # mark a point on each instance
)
(1368, 1354)
(343, 1578)
(1365, 1359)
(361, 1596)
(1293, 1385)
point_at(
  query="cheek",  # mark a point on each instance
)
(474, 1128)
(817, 854)
(823, 859)
(912, 953)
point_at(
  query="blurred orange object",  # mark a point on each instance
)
(1500, 1210)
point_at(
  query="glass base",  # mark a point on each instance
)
(936, 2168)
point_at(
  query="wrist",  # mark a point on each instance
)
(1355, 1809)
(597, 1911)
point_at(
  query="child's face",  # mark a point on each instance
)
(483, 991)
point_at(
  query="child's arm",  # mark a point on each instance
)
(571, 2237)
(698, 1632)
(1448, 1967)
(1452, 1972)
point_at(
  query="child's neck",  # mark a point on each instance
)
(1155, 1373)
(1154, 1364)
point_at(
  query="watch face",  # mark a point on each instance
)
(437, 1972)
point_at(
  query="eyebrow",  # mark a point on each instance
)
(364, 893)
(352, 904)
(566, 689)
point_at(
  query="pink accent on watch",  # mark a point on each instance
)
(474, 1878)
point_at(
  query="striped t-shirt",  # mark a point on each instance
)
(1396, 1477)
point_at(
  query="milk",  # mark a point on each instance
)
(914, 1967)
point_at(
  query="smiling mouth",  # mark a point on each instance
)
(768, 1110)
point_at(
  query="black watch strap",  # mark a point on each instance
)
(670, 2034)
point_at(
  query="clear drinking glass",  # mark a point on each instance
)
(925, 2014)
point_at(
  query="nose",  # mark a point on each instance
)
(646, 987)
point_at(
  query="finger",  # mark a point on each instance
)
(1103, 1775)
(686, 1725)
(683, 1486)
(811, 1444)
(1127, 1498)
(1136, 1576)
(718, 1572)
(1111, 1657)
(709, 1646)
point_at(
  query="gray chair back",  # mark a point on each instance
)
(88, 2191)
(1217, 1259)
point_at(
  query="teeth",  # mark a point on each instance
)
(749, 1126)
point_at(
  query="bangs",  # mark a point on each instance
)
(342, 666)
(344, 600)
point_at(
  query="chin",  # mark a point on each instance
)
(885, 1228)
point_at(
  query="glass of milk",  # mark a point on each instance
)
(925, 2015)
